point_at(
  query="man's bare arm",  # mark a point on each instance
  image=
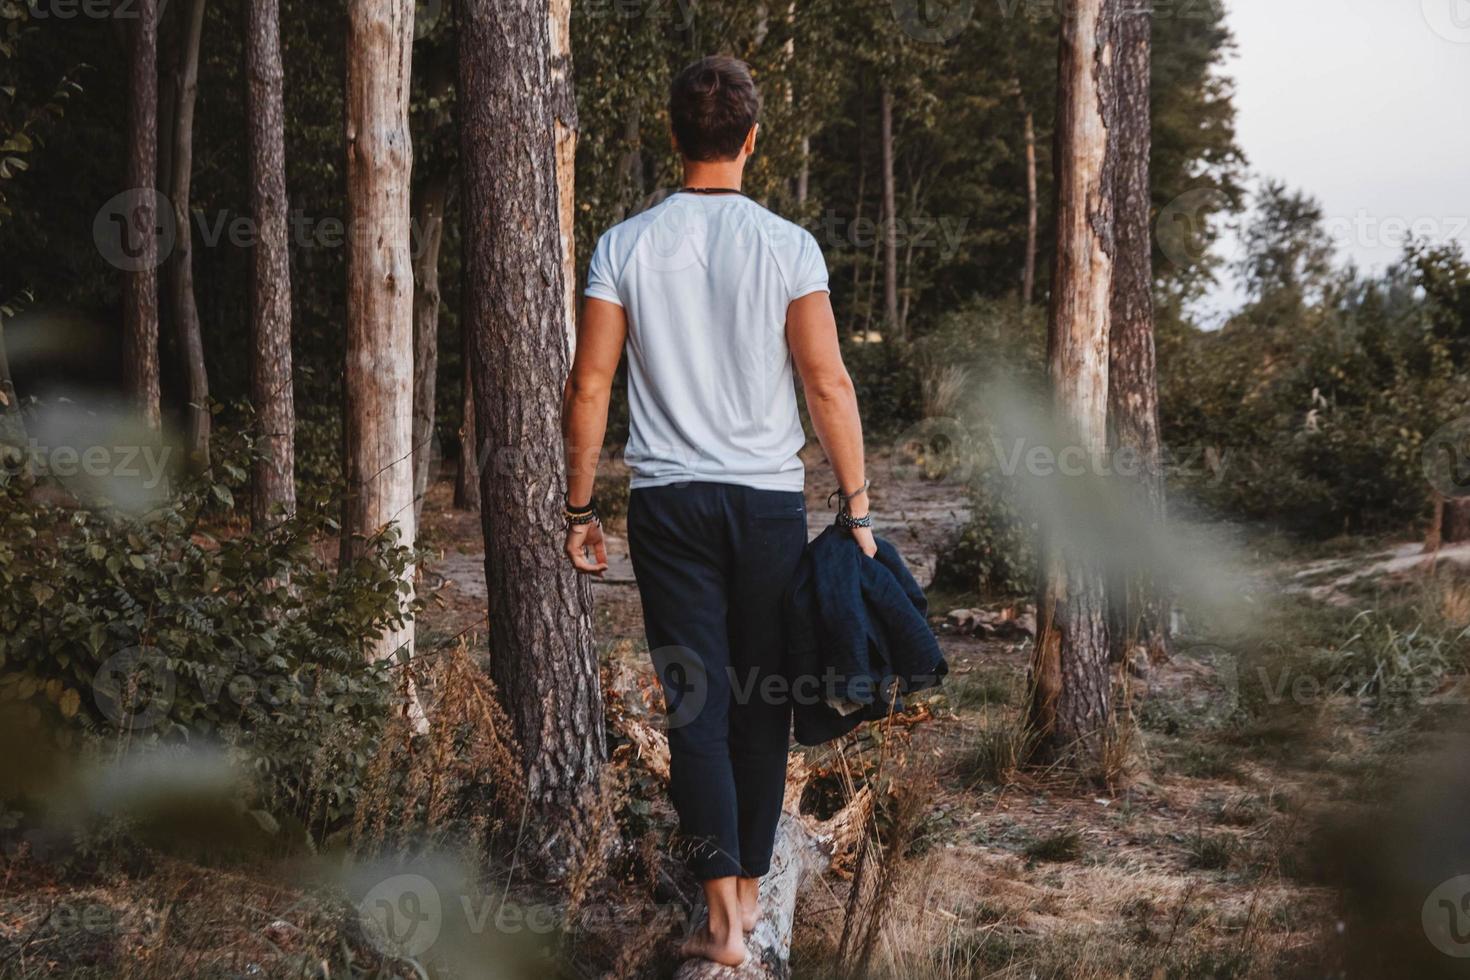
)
(811, 332)
(600, 337)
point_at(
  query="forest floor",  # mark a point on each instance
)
(1207, 848)
(1194, 858)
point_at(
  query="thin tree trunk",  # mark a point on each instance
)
(804, 175)
(862, 189)
(178, 172)
(1139, 608)
(1071, 700)
(429, 220)
(12, 428)
(467, 481)
(890, 215)
(1028, 278)
(273, 491)
(543, 659)
(140, 280)
(379, 369)
(1450, 524)
(564, 108)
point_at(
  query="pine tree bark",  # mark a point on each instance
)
(1071, 699)
(429, 220)
(273, 491)
(1138, 607)
(176, 171)
(378, 423)
(890, 213)
(542, 656)
(140, 282)
(1028, 276)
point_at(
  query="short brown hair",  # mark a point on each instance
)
(712, 105)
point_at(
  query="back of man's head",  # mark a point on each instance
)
(712, 106)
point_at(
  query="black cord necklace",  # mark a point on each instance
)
(710, 190)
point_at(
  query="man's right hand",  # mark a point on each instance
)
(581, 538)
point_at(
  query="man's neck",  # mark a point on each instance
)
(722, 174)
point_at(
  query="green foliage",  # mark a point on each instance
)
(1318, 410)
(177, 625)
(995, 554)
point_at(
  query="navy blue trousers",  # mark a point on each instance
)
(712, 561)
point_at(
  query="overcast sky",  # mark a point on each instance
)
(1365, 104)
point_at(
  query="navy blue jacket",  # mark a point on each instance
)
(855, 627)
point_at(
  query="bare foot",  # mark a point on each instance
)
(727, 951)
(749, 891)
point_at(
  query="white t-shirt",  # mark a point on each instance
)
(705, 281)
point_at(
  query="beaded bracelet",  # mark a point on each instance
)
(844, 519)
(577, 516)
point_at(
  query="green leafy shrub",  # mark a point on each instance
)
(995, 553)
(178, 625)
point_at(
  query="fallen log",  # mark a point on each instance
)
(803, 846)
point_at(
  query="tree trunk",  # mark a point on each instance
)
(890, 213)
(543, 659)
(564, 108)
(273, 491)
(857, 208)
(140, 279)
(176, 166)
(804, 175)
(12, 428)
(1071, 699)
(1138, 607)
(378, 422)
(1451, 522)
(1028, 277)
(467, 481)
(433, 196)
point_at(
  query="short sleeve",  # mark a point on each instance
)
(810, 271)
(601, 276)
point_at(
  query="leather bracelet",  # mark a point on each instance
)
(848, 498)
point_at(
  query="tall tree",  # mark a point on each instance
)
(1028, 273)
(180, 73)
(1138, 608)
(140, 282)
(467, 478)
(564, 110)
(890, 215)
(430, 202)
(433, 196)
(273, 493)
(543, 659)
(378, 418)
(1071, 699)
